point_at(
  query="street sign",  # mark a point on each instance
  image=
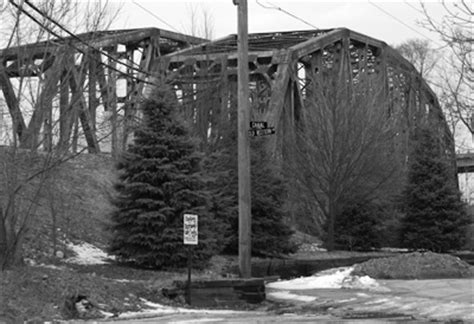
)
(262, 132)
(190, 229)
(258, 124)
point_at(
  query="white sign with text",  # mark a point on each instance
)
(190, 229)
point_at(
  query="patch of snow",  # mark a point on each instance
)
(346, 300)
(289, 296)
(390, 249)
(311, 247)
(198, 320)
(50, 266)
(87, 254)
(363, 295)
(158, 309)
(365, 282)
(377, 301)
(336, 278)
(328, 279)
(430, 308)
(106, 314)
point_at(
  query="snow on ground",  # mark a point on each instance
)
(374, 297)
(50, 266)
(87, 254)
(391, 249)
(287, 295)
(158, 309)
(433, 309)
(329, 279)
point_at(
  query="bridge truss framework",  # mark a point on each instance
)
(77, 81)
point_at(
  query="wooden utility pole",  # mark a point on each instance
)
(243, 118)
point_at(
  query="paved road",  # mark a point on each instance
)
(439, 300)
(449, 290)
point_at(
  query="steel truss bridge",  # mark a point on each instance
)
(91, 85)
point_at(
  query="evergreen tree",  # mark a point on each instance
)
(270, 234)
(159, 181)
(358, 226)
(435, 217)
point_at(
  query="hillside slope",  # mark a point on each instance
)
(74, 199)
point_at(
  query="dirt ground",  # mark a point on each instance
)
(45, 292)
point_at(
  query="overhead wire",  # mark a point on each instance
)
(60, 38)
(403, 23)
(17, 23)
(426, 37)
(275, 7)
(79, 39)
(156, 16)
(414, 8)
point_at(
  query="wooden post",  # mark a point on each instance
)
(188, 285)
(245, 217)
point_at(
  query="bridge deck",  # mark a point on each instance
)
(465, 162)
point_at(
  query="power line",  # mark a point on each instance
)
(17, 23)
(275, 7)
(403, 23)
(156, 16)
(79, 39)
(426, 37)
(414, 8)
(70, 44)
(60, 38)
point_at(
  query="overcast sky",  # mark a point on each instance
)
(389, 21)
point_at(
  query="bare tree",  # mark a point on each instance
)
(426, 60)
(201, 21)
(345, 139)
(456, 32)
(24, 173)
(420, 53)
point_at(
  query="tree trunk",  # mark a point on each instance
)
(10, 244)
(3, 239)
(330, 230)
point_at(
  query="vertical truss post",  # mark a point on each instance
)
(112, 101)
(92, 90)
(65, 114)
(18, 123)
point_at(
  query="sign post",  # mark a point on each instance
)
(190, 237)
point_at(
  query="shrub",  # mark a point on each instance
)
(357, 227)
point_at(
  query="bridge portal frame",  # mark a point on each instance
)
(76, 76)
